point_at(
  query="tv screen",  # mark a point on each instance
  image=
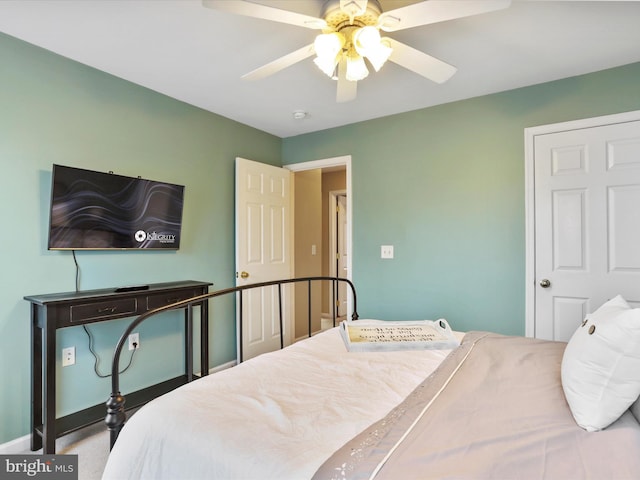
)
(103, 211)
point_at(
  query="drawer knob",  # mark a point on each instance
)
(107, 309)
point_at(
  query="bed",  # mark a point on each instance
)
(495, 407)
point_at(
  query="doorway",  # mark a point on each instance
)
(314, 184)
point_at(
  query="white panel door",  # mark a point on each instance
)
(587, 223)
(263, 253)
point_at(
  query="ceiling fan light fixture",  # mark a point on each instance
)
(356, 68)
(366, 39)
(328, 46)
(380, 55)
(327, 65)
(368, 43)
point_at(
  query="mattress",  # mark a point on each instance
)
(279, 415)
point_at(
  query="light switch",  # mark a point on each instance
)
(313, 250)
(386, 251)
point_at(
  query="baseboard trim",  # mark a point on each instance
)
(224, 366)
(305, 336)
(19, 445)
(23, 444)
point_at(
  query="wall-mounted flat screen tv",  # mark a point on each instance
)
(103, 211)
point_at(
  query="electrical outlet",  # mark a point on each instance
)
(134, 341)
(386, 251)
(68, 356)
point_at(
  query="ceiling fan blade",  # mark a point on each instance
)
(434, 11)
(420, 63)
(347, 90)
(257, 10)
(280, 63)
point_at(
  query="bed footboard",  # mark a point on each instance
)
(116, 415)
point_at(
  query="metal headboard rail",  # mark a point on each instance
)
(116, 415)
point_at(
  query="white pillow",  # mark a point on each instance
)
(601, 365)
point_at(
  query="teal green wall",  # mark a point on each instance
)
(445, 186)
(53, 110)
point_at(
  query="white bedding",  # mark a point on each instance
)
(277, 416)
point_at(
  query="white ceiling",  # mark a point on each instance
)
(197, 55)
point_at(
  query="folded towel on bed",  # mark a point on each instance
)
(382, 335)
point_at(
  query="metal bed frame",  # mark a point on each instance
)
(116, 415)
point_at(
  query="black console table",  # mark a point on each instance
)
(50, 312)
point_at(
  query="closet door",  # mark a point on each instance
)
(587, 223)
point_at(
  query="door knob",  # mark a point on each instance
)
(244, 275)
(545, 283)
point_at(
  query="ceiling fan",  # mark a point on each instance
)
(351, 33)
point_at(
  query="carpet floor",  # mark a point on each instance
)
(91, 444)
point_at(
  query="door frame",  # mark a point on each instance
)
(333, 233)
(529, 204)
(342, 161)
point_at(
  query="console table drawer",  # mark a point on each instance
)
(95, 311)
(161, 300)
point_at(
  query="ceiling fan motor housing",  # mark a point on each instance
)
(337, 19)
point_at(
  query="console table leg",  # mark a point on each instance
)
(49, 387)
(204, 338)
(36, 379)
(188, 329)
